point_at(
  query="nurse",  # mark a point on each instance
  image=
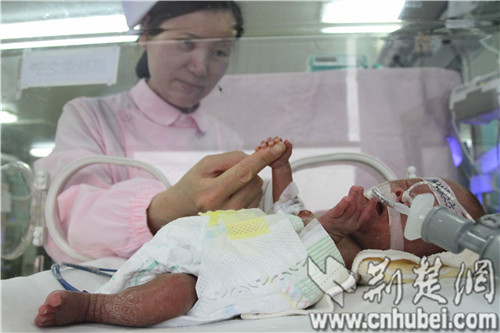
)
(112, 210)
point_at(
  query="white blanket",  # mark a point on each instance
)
(22, 296)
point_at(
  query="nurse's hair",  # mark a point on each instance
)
(165, 10)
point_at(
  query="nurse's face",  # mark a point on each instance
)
(188, 59)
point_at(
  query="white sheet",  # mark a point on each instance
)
(21, 297)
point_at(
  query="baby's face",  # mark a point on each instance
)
(374, 233)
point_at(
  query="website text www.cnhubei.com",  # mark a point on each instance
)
(400, 321)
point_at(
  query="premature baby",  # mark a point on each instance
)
(186, 279)
(211, 267)
(357, 223)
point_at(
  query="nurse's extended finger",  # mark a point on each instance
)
(241, 173)
(214, 165)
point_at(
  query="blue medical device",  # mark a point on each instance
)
(56, 270)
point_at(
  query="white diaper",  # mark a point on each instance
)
(246, 262)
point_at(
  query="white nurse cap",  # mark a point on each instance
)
(135, 10)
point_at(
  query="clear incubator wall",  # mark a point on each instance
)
(280, 38)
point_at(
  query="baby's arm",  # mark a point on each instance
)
(282, 174)
(281, 169)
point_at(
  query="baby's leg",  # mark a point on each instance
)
(167, 296)
(281, 169)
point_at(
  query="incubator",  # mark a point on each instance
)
(367, 91)
(316, 76)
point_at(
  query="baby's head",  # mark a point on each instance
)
(468, 200)
(457, 198)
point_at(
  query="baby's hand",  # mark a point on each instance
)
(348, 214)
(283, 160)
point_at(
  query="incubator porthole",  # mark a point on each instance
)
(16, 204)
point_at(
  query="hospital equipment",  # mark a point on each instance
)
(371, 130)
(455, 233)
(398, 115)
(477, 101)
(56, 271)
(350, 158)
(51, 215)
(49, 206)
(50, 218)
(444, 224)
(27, 177)
(327, 62)
(43, 216)
(403, 209)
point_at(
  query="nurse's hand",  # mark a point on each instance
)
(223, 181)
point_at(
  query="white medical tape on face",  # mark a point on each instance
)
(396, 230)
(395, 226)
(444, 195)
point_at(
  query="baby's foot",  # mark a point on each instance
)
(283, 160)
(63, 307)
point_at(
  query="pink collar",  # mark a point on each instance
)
(159, 111)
